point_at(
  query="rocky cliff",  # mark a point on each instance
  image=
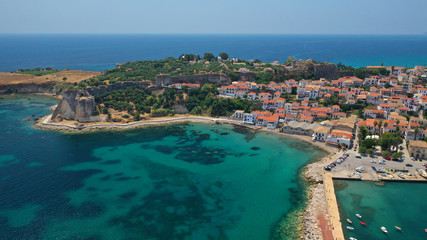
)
(75, 105)
(26, 88)
(79, 105)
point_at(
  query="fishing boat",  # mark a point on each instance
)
(349, 221)
(364, 224)
(358, 215)
(398, 228)
(384, 229)
(350, 228)
(352, 238)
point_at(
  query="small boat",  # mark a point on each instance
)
(358, 215)
(350, 228)
(425, 230)
(398, 228)
(352, 238)
(364, 224)
(349, 221)
(384, 229)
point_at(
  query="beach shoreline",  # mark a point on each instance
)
(316, 219)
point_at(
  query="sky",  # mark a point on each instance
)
(214, 16)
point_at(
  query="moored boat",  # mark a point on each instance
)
(358, 215)
(350, 228)
(349, 221)
(398, 228)
(364, 224)
(352, 238)
(384, 229)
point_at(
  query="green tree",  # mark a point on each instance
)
(370, 151)
(397, 155)
(369, 143)
(386, 154)
(363, 132)
(209, 57)
(360, 73)
(389, 140)
(224, 56)
(362, 150)
(406, 115)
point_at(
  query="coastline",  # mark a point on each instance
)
(316, 216)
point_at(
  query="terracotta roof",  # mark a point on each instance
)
(421, 144)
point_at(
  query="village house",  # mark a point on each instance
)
(299, 128)
(320, 134)
(338, 137)
(374, 113)
(251, 96)
(417, 149)
(249, 118)
(238, 114)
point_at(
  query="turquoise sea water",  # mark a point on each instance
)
(189, 181)
(394, 204)
(101, 51)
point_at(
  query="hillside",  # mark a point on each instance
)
(70, 76)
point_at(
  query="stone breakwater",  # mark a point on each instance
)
(317, 216)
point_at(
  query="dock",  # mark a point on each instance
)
(333, 211)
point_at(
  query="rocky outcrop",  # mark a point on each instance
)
(75, 105)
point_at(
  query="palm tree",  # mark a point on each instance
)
(385, 125)
(375, 127)
(380, 125)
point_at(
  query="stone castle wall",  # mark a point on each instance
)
(166, 80)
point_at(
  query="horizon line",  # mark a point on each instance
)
(350, 34)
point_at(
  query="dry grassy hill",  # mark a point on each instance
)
(70, 75)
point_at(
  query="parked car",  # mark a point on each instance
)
(358, 156)
(387, 158)
(409, 165)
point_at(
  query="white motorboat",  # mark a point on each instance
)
(384, 229)
(358, 215)
(352, 238)
(350, 228)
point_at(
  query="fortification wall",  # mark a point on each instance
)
(166, 80)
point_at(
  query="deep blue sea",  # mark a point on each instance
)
(100, 52)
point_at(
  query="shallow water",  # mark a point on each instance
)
(188, 181)
(394, 204)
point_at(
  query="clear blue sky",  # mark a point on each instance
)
(214, 16)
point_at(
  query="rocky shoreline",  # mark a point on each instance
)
(316, 210)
